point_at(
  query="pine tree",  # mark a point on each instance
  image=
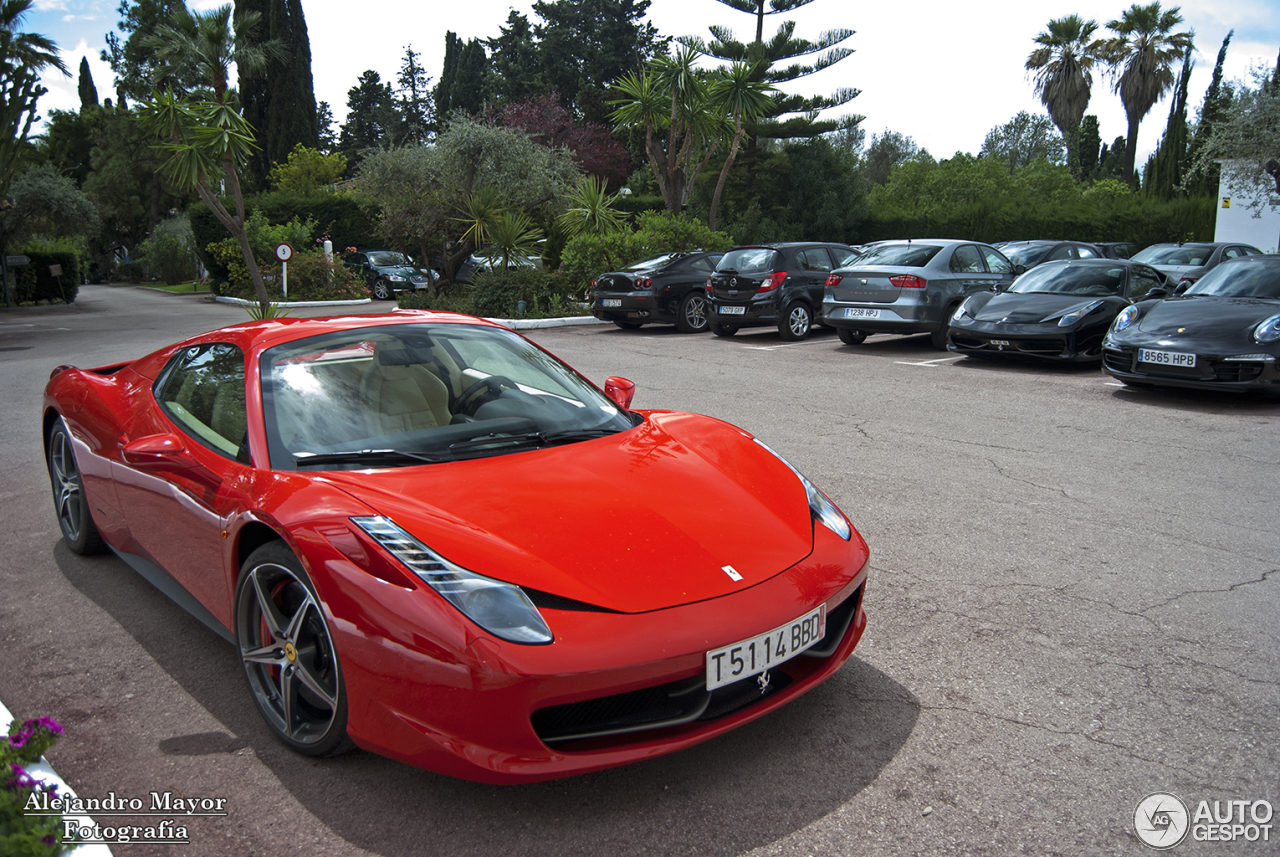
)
(417, 111)
(514, 71)
(132, 59)
(327, 139)
(280, 101)
(370, 117)
(791, 116)
(88, 92)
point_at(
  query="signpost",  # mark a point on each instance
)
(284, 253)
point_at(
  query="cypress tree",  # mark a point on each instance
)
(280, 103)
(1166, 165)
(1088, 142)
(1216, 101)
(467, 92)
(448, 73)
(88, 92)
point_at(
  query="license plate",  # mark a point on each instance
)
(755, 655)
(1166, 358)
(733, 310)
(859, 312)
(611, 302)
(1000, 342)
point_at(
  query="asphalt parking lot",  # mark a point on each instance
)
(1071, 606)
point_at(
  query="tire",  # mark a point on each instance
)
(938, 339)
(849, 336)
(382, 290)
(796, 322)
(69, 502)
(691, 317)
(288, 655)
(628, 325)
(722, 329)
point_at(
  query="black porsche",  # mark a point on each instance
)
(1222, 333)
(1056, 311)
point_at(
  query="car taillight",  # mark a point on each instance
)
(834, 279)
(1187, 280)
(908, 281)
(593, 284)
(644, 282)
(710, 289)
(772, 281)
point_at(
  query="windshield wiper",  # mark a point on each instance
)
(362, 456)
(540, 438)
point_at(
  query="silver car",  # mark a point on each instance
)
(910, 287)
(1183, 264)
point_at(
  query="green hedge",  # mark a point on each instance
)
(35, 284)
(497, 294)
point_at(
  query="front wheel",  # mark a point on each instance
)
(938, 339)
(288, 653)
(382, 289)
(68, 495)
(796, 322)
(692, 315)
(722, 329)
(849, 336)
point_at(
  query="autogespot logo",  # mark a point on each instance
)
(1161, 820)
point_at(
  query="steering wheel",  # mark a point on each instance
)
(481, 391)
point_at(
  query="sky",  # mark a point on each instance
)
(940, 72)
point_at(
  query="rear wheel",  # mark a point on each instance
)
(849, 336)
(68, 495)
(628, 325)
(722, 329)
(288, 653)
(938, 339)
(796, 322)
(692, 315)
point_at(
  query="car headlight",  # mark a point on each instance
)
(395, 278)
(1072, 317)
(1127, 316)
(819, 504)
(500, 608)
(963, 310)
(1268, 331)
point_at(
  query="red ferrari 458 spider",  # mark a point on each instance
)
(428, 537)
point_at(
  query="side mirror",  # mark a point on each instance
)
(1019, 269)
(620, 390)
(1182, 287)
(1158, 292)
(166, 453)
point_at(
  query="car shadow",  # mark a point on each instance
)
(1021, 365)
(729, 795)
(1259, 402)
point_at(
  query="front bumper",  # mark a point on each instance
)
(1211, 372)
(1038, 341)
(428, 688)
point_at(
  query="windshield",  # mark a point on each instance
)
(386, 260)
(1244, 279)
(748, 260)
(1167, 255)
(1060, 278)
(898, 255)
(1026, 255)
(405, 393)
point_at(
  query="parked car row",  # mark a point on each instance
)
(1191, 315)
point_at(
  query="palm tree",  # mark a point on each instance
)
(591, 210)
(1142, 55)
(1063, 65)
(205, 44)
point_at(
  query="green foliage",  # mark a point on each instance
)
(588, 255)
(1022, 140)
(34, 283)
(370, 117)
(23, 834)
(497, 293)
(458, 300)
(513, 236)
(46, 203)
(279, 99)
(312, 277)
(307, 170)
(591, 209)
(169, 252)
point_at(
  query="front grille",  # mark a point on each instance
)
(678, 702)
(1117, 361)
(1038, 346)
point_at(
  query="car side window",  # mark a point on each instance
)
(965, 260)
(843, 257)
(996, 262)
(202, 391)
(707, 264)
(1063, 252)
(1236, 252)
(1143, 281)
(815, 259)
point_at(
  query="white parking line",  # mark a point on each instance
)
(787, 345)
(929, 362)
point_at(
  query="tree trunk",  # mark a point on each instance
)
(1131, 149)
(724, 172)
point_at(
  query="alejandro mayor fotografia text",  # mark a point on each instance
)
(167, 805)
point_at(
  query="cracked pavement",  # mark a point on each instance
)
(1072, 605)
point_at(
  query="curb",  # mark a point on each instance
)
(44, 772)
(222, 299)
(537, 323)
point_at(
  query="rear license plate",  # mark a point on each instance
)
(755, 655)
(733, 310)
(1166, 358)
(610, 302)
(1001, 343)
(859, 312)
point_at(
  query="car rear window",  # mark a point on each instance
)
(1027, 254)
(1174, 255)
(748, 260)
(899, 255)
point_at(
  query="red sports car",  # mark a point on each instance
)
(428, 537)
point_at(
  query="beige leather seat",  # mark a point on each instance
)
(400, 393)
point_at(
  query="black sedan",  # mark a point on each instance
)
(668, 289)
(1057, 311)
(1222, 333)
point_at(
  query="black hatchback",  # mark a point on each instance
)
(667, 289)
(773, 285)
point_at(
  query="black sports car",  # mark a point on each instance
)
(1056, 311)
(666, 289)
(1222, 333)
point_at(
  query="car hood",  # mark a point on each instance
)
(1176, 271)
(1016, 308)
(402, 270)
(1206, 318)
(638, 521)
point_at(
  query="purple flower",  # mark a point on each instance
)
(49, 840)
(18, 740)
(48, 723)
(21, 779)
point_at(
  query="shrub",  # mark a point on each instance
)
(496, 294)
(169, 252)
(312, 276)
(34, 283)
(655, 233)
(21, 832)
